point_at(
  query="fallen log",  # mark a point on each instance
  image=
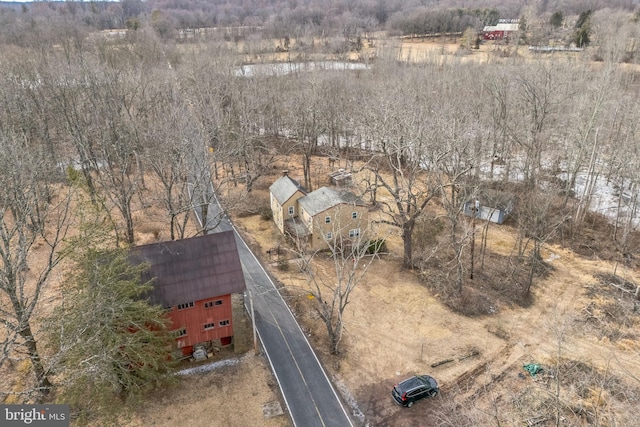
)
(442, 362)
(472, 354)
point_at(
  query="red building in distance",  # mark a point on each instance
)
(505, 29)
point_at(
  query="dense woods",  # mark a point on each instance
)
(87, 113)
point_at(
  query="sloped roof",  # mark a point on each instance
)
(488, 197)
(192, 269)
(284, 188)
(325, 198)
(501, 27)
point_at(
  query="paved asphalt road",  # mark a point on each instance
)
(307, 391)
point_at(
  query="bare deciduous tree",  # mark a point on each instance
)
(34, 218)
(351, 257)
(398, 162)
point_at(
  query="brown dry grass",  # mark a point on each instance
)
(396, 326)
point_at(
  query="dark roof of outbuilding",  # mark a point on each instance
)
(284, 188)
(192, 269)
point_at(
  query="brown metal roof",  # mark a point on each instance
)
(192, 269)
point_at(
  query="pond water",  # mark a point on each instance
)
(283, 68)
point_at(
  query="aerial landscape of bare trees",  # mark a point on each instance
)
(109, 111)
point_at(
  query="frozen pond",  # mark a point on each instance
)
(283, 68)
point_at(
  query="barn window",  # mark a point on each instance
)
(208, 326)
(224, 323)
(185, 305)
(210, 304)
(181, 332)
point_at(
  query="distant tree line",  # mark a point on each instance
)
(426, 21)
(285, 17)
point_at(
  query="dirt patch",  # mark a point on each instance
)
(232, 395)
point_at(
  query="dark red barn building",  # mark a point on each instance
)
(504, 30)
(194, 280)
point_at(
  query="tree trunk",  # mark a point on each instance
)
(172, 226)
(44, 385)
(205, 213)
(129, 222)
(307, 171)
(407, 232)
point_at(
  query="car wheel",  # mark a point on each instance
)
(409, 405)
(434, 393)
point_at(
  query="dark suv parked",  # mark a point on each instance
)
(415, 388)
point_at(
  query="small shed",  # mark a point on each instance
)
(340, 178)
(490, 205)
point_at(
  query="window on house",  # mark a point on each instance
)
(329, 235)
(354, 215)
(181, 332)
(210, 304)
(327, 220)
(224, 323)
(208, 326)
(354, 233)
(185, 305)
(291, 210)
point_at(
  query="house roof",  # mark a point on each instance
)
(495, 199)
(192, 269)
(501, 27)
(325, 198)
(284, 188)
